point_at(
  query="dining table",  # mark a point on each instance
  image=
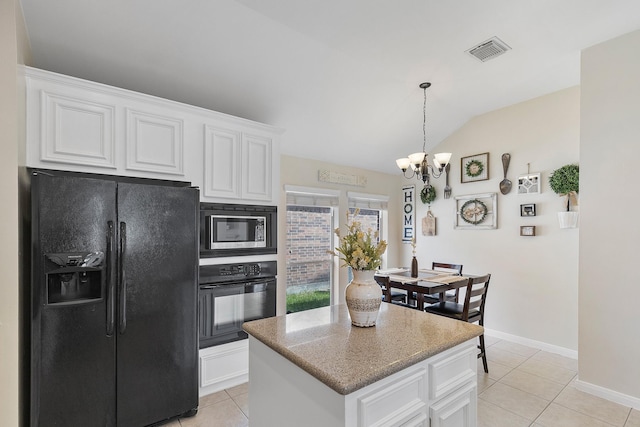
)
(428, 282)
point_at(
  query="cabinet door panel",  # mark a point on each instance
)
(154, 143)
(256, 167)
(77, 131)
(456, 410)
(222, 163)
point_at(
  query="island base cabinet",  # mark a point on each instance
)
(457, 410)
(282, 394)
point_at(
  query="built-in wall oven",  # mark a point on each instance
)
(231, 294)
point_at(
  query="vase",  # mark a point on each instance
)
(363, 295)
(414, 267)
(568, 219)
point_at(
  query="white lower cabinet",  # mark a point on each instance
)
(457, 410)
(223, 366)
(440, 391)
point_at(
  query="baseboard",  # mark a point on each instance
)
(605, 393)
(572, 354)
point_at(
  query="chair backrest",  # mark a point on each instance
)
(475, 298)
(447, 267)
(450, 268)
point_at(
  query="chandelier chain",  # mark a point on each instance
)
(424, 121)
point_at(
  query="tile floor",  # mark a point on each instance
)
(524, 387)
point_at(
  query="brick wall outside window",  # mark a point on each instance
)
(309, 236)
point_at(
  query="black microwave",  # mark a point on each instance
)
(232, 230)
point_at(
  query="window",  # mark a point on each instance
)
(310, 214)
(372, 214)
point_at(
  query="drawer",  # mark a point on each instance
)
(397, 403)
(452, 369)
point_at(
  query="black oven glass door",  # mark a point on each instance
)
(237, 232)
(223, 308)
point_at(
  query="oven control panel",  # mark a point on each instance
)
(229, 272)
(240, 270)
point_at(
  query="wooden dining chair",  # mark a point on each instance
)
(471, 311)
(396, 295)
(449, 295)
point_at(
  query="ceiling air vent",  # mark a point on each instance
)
(489, 49)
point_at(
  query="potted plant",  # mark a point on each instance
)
(565, 182)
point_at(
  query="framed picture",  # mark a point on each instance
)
(476, 212)
(528, 210)
(527, 230)
(529, 183)
(474, 168)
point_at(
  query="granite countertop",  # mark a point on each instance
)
(346, 358)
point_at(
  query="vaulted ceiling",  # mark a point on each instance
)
(340, 76)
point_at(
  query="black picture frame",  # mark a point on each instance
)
(528, 209)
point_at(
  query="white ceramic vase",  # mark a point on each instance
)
(363, 295)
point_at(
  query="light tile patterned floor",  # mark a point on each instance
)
(525, 387)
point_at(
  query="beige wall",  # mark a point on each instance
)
(9, 249)
(304, 172)
(534, 284)
(609, 234)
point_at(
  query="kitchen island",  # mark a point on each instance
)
(314, 368)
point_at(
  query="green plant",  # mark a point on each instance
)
(307, 300)
(428, 194)
(358, 249)
(565, 182)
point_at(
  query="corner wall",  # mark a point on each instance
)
(9, 249)
(609, 341)
(533, 293)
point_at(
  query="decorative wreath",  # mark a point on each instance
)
(473, 211)
(474, 168)
(428, 194)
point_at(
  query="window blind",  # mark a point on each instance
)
(367, 201)
(309, 196)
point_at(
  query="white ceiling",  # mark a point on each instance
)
(340, 76)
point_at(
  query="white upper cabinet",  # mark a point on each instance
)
(77, 125)
(222, 162)
(74, 130)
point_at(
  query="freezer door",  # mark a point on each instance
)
(157, 347)
(72, 354)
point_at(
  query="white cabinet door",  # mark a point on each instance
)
(456, 410)
(222, 163)
(256, 167)
(155, 142)
(72, 128)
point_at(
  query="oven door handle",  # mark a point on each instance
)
(209, 286)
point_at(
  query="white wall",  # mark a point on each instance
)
(534, 285)
(304, 172)
(9, 249)
(609, 324)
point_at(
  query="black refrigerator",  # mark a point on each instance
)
(113, 307)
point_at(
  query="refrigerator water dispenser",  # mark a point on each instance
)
(74, 277)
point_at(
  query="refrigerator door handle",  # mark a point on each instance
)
(122, 309)
(111, 303)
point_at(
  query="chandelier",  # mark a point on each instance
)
(420, 168)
